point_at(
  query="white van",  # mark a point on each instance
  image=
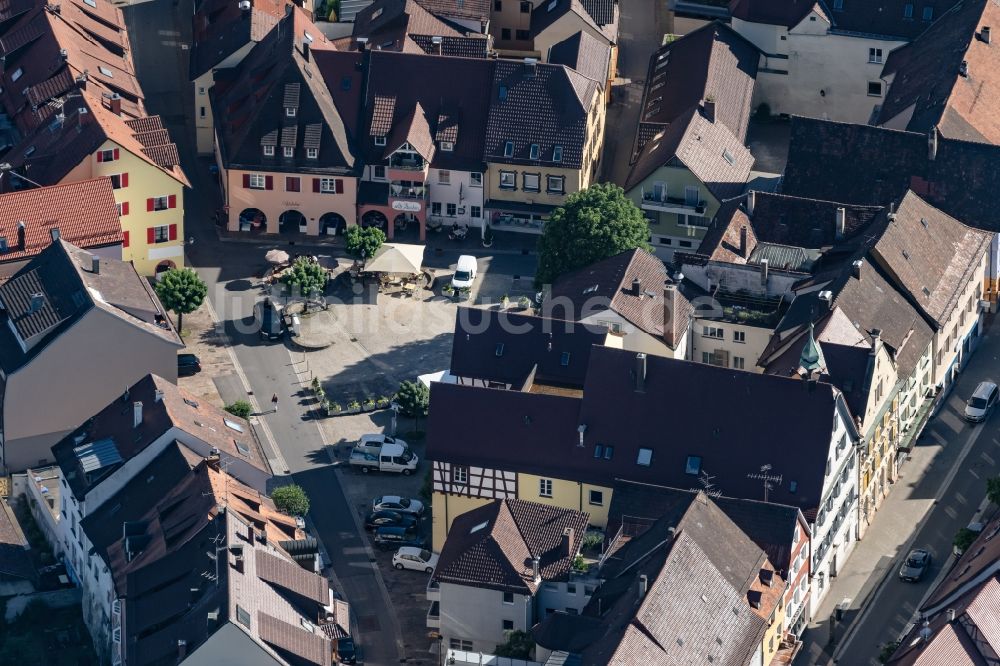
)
(465, 272)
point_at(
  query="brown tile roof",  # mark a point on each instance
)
(408, 26)
(608, 285)
(931, 255)
(175, 408)
(600, 15)
(858, 17)
(414, 130)
(493, 546)
(84, 212)
(251, 100)
(928, 84)
(313, 648)
(468, 9)
(292, 577)
(549, 107)
(823, 158)
(584, 53)
(981, 556)
(220, 28)
(544, 438)
(15, 560)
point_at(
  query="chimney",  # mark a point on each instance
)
(436, 41)
(81, 81)
(37, 302)
(951, 611)
(827, 297)
(763, 272)
(362, 43)
(751, 202)
(566, 545)
(636, 286)
(841, 222)
(963, 69)
(932, 138)
(530, 67)
(876, 334)
(536, 569)
(669, 306)
(643, 586)
(709, 106)
(95, 264)
(20, 234)
(856, 268)
(116, 104)
(743, 241)
(54, 233)
(158, 396)
(984, 34)
(305, 49)
(182, 649)
(136, 414)
(640, 372)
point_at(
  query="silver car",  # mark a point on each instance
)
(915, 565)
(981, 402)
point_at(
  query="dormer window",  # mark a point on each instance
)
(268, 151)
(447, 146)
(18, 73)
(508, 149)
(557, 153)
(288, 151)
(502, 93)
(290, 111)
(380, 141)
(535, 151)
(312, 153)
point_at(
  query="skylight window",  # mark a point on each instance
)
(564, 359)
(105, 71)
(92, 3)
(645, 457)
(18, 73)
(233, 425)
(502, 93)
(693, 465)
(309, 38)
(499, 350)
(481, 526)
(591, 289)
(728, 156)
(242, 448)
(557, 153)
(553, 5)
(535, 151)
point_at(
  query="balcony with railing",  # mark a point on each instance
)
(659, 200)
(408, 190)
(433, 590)
(407, 167)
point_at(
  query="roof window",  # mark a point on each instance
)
(502, 93)
(599, 451)
(535, 151)
(609, 451)
(645, 457)
(105, 71)
(693, 465)
(499, 350)
(481, 526)
(233, 425)
(508, 149)
(242, 448)
(564, 359)
(728, 156)
(552, 5)
(591, 289)
(92, 3)
(557, 153)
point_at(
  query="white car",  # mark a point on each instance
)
(379, 439)
(981, 402)
(397, 503)
(417, 559)
(465, 272)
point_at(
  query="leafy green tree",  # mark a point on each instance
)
(964, 539)
(414, 400)
(291, 500)
(363, 242)
(240, 408)
(305, 277)
(594, 224)
(181, 291)
(887, 651)
(518, 646)
(993, 490)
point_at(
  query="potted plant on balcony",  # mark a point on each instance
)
(488, 236)
(383, 402)
(368, 405)
(504, 302)
(524, 303)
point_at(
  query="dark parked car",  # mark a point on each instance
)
(187, 364)
(915, 566)
(269, 320)
(391, 538)
(388, 519)
(346, 652)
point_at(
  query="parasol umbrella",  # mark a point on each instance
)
(396, 258)
(277, 256)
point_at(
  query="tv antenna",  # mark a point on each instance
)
(767, 478)
(706, 482)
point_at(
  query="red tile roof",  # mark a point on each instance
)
(84, 212)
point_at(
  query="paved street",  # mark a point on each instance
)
(940, 490)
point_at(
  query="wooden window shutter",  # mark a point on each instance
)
(124, 209)
(150, 234)
(116, 154)
(124, 180)
(340, 185)
(268, 182)
(149, 205)
(172, 201)
(315, 184)
(100, 155)
(124, 239)
(246, 181)
(173, 232)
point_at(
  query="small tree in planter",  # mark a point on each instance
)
(353, 407)
(464, 293)
(332, 408)
(505, 301)
(383, 401)
(488, 236)
(524, 302)
(414, 400)
(369, 404)
(316, 385)
(291, 500)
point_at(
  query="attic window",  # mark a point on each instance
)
(269, 151)
(793, 486)
(105, 71)
(233, 425)
(557, 153)
(908, 10)
(693, 465)
(599, 451)
(728, 156)
(447, 146)
(380, 141)
(508, 149)
(553, 5)
(480, 526)
(645, 457)
(17, 74)
(609, 451)
(535, 151)
(290, 111)
(564, 359)
(502, 93)
(928, 13)
(499, 350)
(377, 13)
(312, 153)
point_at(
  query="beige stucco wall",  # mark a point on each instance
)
(276, 201)
(446, 508)
(962, 320)
(665, 227)
(567, 26)
(79, 372)
(566, 494)
(756, 339)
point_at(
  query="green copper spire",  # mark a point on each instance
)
(811, 359)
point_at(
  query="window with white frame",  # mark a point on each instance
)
(380, 141)
(451, 210)
(257, 181)
(268, 151)
(874, 55)
(447, 146)
(739, 336)
(535, 151)
(712, 332)
(476, 179)
(738, 362)
(312, 153)
(328, 185)
(161, 203)
(545, 487)
(508, 180)
(378, 172)
(531, 182)
(435, 208)
(557, 153)
(459, 474)
(161, 234)
(444, 177)
(555, 184)
(476, 212)
(596, 497)
(290, 111)
(287, 151)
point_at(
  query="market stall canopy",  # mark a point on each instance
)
(396, 258)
